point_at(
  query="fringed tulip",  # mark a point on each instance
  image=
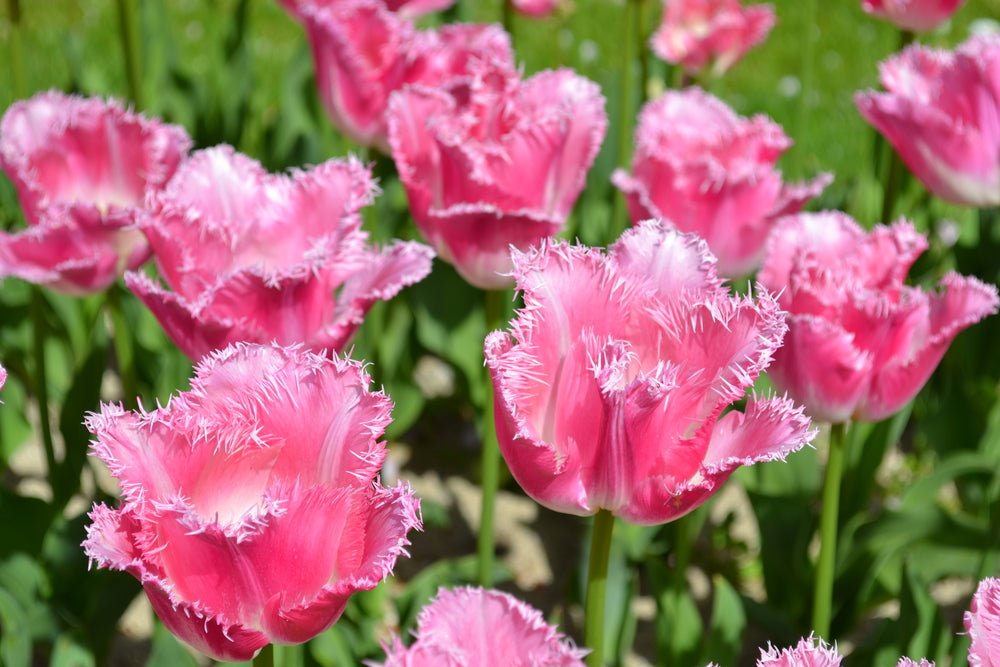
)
(908, 662)
(941, 113)
(535, 8)
(250, 508)
(861, 343)
(405, 8)
(255, 257)
(982, 623)
(83, 167)
(709, 171)
(809, 652)
(495, 162)
(696, 34)
(363, 53)
(611, 388)
(913, 15)
(485, 628)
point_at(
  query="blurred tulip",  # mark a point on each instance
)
(861, 343)
(250, 507)
(707, 170)
(696, 34)
(611, 388)
(535, 8)
(809, 652)
(942, 115)
(486, 628)
(363, 53)
(907, 662)
(495, 162)
(406, 8)
(982, 623)
(255, 257)
(83, 168)
(913, 15)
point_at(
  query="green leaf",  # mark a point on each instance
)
(83, 397)
(67, 653)
(723, 641)
(15, 633)
(168, 651)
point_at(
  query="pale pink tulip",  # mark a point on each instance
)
(257, 257)
(982, 623)
(861, 342)
(535, 8)
(250, 507)
(809, 652)
(486, 628)
(913, 15)
(709, 171)
(495, 162)
(611, 387)
(942, 115)
(907, 662)
(83, 168)
(406, 8)
(363, 52)
(696, 34)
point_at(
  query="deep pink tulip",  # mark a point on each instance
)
(486, 628)
(942, 115)
(913, 15)
(982, 623)
(861, 343)
(535, 8)
(406, 8)
(495, 162)
(709, 171)
(250, 508)
(82, 168)
(700, 33)
(363, 52)
(611, 387)
(809, 652)
(257, 257)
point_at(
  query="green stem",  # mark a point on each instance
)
(823, 600)
(597, 585)
(121, 336)
(490, 475)
(16, 60)
(41, 384)
(618, 213)
(641, 40)
(808, 43)
(265, 658)
(507, 18)
(127, 28)
(894, 171)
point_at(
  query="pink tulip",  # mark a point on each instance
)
(363, 53)
(250, 507)
(485, 628)
(406, 8)
(535, 8)
(809, 652)
(611, 388)
(907, 662)
(982, 623)
(82, 168)
(495, 162)
(913, 15)
(255, 257)
(697, 33)
(861, 343)
(942, 115)
(712, 172)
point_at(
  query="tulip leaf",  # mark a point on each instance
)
(68, 653)
(167, 650)
(83, 397)
(15, 633)
(723, 640)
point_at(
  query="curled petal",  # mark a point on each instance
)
(809, 652)
(982, 623)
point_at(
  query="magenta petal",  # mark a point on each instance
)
(913, 15)
(982, 623)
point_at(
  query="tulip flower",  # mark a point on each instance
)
(913, 15)
(809, 652)
(611, 388)
(495, 162)
(696, 34)
(712, 172)
(486, 628)
(535, 8)
(250, 508)
(861, 343)
(940, 114)
(406, 8)
(982, 623)
(83, 168)
(363, 52)
(255, 257)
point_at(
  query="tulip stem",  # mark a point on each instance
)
(597, 585)
(643, 47)
(265, 658)
(507, 18)
(130, 49)
(823, 599)
(16, 61)
(490, 473)
(892, 184)
(802, 118)
(124, 351)
(41, 383)
(625, 112)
